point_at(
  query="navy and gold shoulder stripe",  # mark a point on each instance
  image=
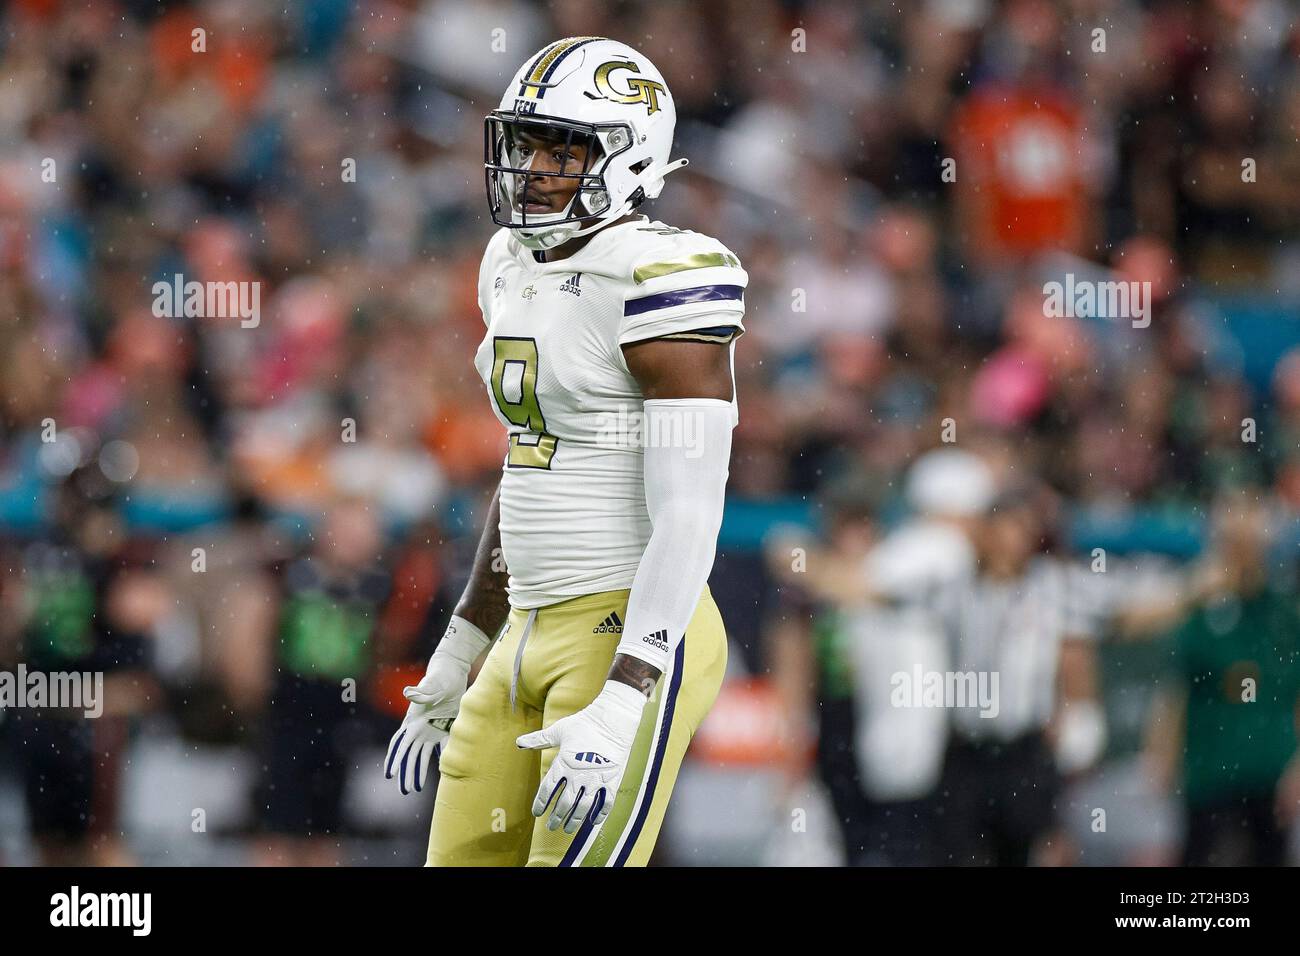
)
(676, 297)
(719, 335)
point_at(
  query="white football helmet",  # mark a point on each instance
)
(591, 91)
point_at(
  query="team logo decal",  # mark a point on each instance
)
(529, 292)
(639, 89)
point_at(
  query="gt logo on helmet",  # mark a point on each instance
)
(640, 90)
(584, 95)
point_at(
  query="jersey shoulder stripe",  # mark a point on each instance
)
(720, 335)
(698, 260)
(679, 283)
(666, 300)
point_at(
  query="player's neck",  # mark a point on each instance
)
(571, 248)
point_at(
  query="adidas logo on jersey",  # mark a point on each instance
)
(571, 284)
(611, 625)
(658, 639)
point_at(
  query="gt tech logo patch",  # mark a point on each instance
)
(639, 89)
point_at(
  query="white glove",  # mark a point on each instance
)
(435, 701)
(594, 745)
(1080, 735)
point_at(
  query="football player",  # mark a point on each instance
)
(608, 359)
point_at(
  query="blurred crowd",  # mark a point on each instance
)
(932, 473)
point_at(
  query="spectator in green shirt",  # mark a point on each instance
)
(1234, 712)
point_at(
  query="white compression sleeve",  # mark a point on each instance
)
(688, 448)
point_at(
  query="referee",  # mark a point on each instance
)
(1019, 630)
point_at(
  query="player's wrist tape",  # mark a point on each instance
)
(685, 471)
(461, 643)
(619, 706)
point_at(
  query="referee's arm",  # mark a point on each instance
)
(1078, 728)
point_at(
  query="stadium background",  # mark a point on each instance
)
(882, 300)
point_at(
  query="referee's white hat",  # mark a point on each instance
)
(948, 481)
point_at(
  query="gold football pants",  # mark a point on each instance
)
(548, 664)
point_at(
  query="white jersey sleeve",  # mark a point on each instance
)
(489, 271)
(683, 285)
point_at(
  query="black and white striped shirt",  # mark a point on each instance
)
(1013, 628)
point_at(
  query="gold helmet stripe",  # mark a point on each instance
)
(537, 75)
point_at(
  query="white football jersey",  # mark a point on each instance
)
(573, 511)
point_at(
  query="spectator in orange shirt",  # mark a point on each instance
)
(1021, 187)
